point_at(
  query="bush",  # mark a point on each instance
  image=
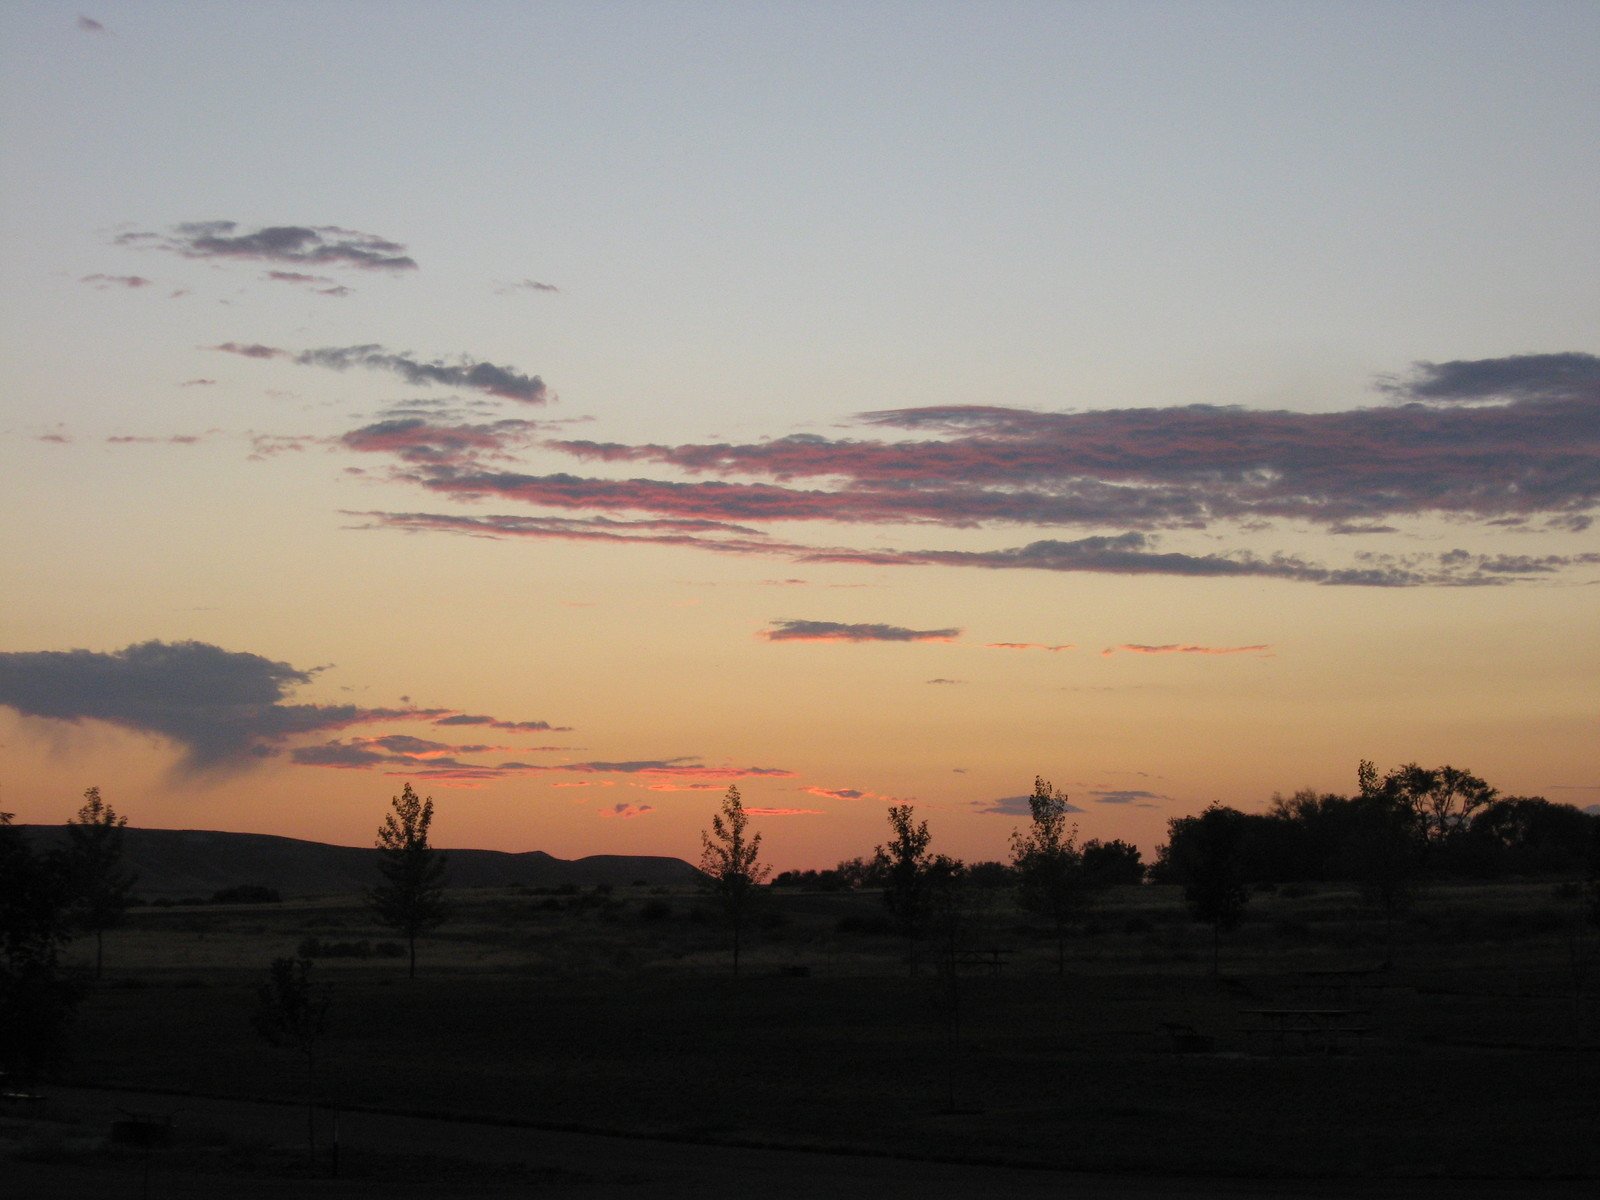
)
(655, 910)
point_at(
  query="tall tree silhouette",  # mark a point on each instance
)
(411, 898)
(731, 857)
(293, 1011)
(1206, 855)
(96, 880)
(37, 998)
(1384, 848)
(903, 863)
(1051, 880)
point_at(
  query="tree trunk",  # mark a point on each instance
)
(412, 943)
(1216, 949)
(99, 951)
(311, 1112)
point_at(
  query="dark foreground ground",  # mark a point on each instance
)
(1471, 1068)
(252, 1150)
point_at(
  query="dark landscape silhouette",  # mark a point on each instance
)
(1280, 998)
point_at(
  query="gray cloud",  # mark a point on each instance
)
(303, 245)
(1013, 806)
(224, 708)
(526, 285)
(1517, 377)
(1129, 796)
(455, 719)
(466, 372)
(1130, 553)
(126, 281)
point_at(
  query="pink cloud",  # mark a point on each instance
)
(1028, 646)
(785, 812)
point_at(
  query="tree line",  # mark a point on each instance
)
(1397, 831)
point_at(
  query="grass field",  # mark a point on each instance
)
(620, 1013)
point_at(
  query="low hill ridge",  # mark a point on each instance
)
(173, 863)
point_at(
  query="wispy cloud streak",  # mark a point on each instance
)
(1130, 553)
(833, 631)
(1134, 648)
(465, 372)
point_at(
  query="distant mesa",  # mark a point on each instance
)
(172, 863)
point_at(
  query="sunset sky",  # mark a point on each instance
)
(573, 409)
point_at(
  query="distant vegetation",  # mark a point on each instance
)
(1055, 987)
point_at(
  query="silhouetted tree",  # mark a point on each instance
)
(855, 873)
(732, 860)
(990, 876)
(411, 898)
(1112, 864)
(1205, 855)
(1444, 799)
(948, 899)
(1529, 835)
(37, 997)
(98, 884)
(1051, 882)
(292, 1011)
(902, 863)
(1383, 853)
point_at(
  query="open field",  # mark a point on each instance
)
(619, 1013)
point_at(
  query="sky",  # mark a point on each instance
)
(575, 409)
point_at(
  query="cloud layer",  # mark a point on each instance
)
(1499, 444)
(1483, 439)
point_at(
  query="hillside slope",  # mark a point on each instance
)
(173, 863)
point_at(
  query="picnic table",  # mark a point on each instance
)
(1324, 1029)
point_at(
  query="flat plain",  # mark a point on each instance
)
(1471, 1059)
